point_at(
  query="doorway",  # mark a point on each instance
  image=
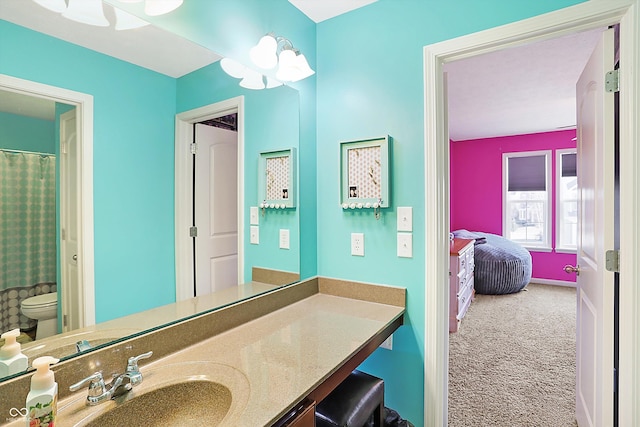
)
(184, 184)
(77, 264)
(517, 110)
(581, 17)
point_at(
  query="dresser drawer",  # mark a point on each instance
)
(464, 300)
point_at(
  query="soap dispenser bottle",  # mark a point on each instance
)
(42, 400)
(12, 361)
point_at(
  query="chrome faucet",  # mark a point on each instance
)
(121, 384)
(132, 373)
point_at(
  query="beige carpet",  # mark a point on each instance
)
(512, 361)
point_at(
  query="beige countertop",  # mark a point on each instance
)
(269, 363)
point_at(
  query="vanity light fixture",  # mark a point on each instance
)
(272, 51)
(251, 79)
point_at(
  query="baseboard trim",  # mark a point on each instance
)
(553, 282)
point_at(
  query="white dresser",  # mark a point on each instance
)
(461, 291)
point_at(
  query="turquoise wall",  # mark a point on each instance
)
(370, 83)
(134, 111)
(27, 133)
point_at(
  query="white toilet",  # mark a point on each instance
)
(44, 309)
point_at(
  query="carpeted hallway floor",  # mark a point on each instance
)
(512, 361)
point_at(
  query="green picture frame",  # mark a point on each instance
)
(364, 173)
(277, 179)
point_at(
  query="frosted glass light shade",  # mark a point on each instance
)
(252, 80)
(303, 68)
(127, 21)
(87, 12)
(233, 68)
(264, 53)
(271, 83)
(293, 67)
(54, 5)
(160, 7)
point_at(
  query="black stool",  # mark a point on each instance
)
(359, 399)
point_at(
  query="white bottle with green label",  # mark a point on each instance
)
(12, 361)
(42, 400)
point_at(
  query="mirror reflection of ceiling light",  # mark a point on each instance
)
(91, 11)
(127, 21)
(157, 7)
(251, 79)
(87, 12)
(53, 5)
(272, 51)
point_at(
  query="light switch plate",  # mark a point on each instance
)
(284, 238)
(254, 216)
(405, 245)
(405, 219)
(254, 235)
(357, 244)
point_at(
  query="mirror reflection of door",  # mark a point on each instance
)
(216, 204)
(72, 292)
(34, 132)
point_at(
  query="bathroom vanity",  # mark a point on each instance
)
(258, 360)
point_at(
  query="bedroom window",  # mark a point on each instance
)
(566, 201)
(527, 198)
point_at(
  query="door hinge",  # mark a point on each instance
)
(612, 261)
(612, 81)
(193, 147)
(64, 320)
(63, 147)
(193, 231)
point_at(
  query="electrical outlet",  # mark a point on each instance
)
(388, 343)
(284, 238)
(254, 217)
(254, 235)
(357, 244)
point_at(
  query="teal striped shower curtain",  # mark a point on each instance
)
(27, 230)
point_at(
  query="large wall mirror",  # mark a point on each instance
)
(142, 110)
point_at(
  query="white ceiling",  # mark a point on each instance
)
(527, 89)
(320, 10)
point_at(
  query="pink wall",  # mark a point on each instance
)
(476, 189)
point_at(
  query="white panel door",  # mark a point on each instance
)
(72, 290)
(216, 209)
(595, 286)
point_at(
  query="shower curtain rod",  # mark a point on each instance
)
(7, 150)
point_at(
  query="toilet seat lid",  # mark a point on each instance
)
(39, 300)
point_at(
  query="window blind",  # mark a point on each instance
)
(527, 173)
(569, 165)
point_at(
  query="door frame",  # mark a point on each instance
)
(84, 115)
(584, 16)
(184, 189)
